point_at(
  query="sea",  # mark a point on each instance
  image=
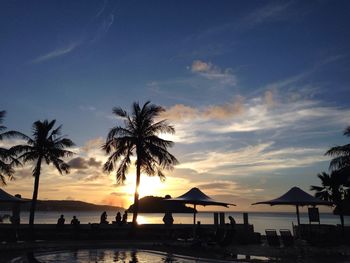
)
(260, 220)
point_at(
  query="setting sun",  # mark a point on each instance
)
(148, 186)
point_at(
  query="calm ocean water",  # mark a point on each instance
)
(260, 220)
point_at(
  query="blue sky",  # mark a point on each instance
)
(257, 90)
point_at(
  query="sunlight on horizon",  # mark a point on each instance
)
(149, 186)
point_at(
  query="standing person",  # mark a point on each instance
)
(125, 218)
(103, 219)
(168, 219)
(60, 221)
(118, 219)
(232, 222)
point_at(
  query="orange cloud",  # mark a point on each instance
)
(224, 111)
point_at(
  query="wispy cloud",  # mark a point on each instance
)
(252, 159)
(102, 28)
(270, 12)
(213, 72)
(98, 26)
(57, 52)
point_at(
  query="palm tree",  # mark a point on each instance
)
(139, 137)
(6, 158)
(341, 154)
(47, 145)
(334, 189)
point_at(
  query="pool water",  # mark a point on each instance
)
(112, 255)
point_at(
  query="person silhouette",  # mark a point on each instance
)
(103, 219)
(125, 218)
(60, 221)
(168, 219)
(74, 221)
(232, 222)
(118, 218)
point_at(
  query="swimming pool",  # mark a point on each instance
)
(112, 255)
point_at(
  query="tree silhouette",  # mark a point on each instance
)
(341, 154)
(139, 137)
(7, 161)
(47, 145)
(333, 189)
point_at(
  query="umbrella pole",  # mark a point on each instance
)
(194, 222)
(194, 215)
(298, 217)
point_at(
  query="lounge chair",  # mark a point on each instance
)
(287, 238)
(272, 237)
(228, 238)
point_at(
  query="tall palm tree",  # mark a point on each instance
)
(139, 137)
(6, 159)
(341, 154)
(333, 189)
(47, 145)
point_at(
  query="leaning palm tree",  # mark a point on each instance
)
(139, 138)
(47, 145)
(341, 154)
(333, 189)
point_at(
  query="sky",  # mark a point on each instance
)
(256, 90)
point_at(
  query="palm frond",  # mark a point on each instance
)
(16, 134)
(339, 150)
(120, 112)
(56, 132)
(339, 162)
(123, 169)
(161, 127)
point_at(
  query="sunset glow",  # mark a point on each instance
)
(257, 92)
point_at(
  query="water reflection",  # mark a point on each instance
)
(111, 255)
(133, 257)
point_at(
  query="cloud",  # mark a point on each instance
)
(102, 28)
(251, 159)
(116, 199)
(218, 185)
(81, 163)
(302, 114)
(213, 72)
(269, 98)
(94, 163)
(93, 32)
(57, 52)
(214, 112)
(269, 12)
(93, 177)
(87, 108)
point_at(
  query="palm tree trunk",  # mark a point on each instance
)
(35, 196)
(136, 196)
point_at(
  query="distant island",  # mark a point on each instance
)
(67, 205)
(156, 204)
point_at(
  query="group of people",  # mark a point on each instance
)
(119, 220)
(62, 220)
(103, 219)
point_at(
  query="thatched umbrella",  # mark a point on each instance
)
(296, 196)
(197, 197)
(16, 201)
(7, 198)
